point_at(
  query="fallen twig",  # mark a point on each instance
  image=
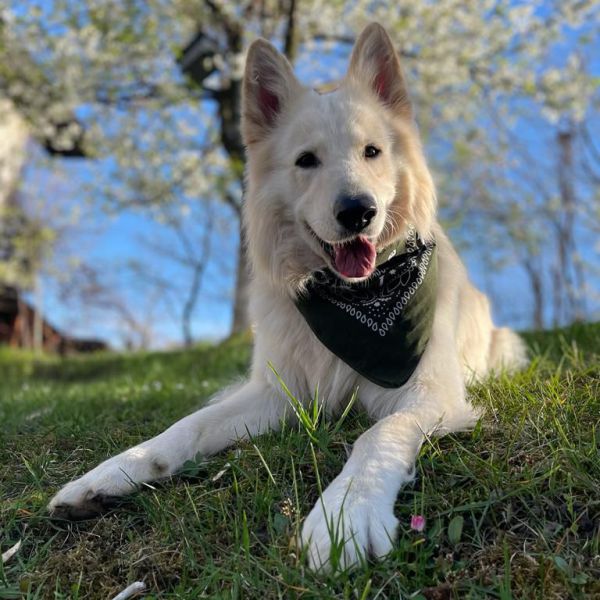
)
(131, 590)
(221, 472)
(6, 556)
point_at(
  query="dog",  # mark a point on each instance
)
(355, 287)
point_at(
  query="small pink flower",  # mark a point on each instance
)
(417, 523)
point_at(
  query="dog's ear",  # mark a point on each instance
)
(375, 62)
(269, 83)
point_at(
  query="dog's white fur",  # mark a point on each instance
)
(284, 203)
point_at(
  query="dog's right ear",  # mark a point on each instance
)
(375, 62)
(269, 83)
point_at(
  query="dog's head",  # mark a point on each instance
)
(332, 178)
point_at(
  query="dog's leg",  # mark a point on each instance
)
(251, 409)
(354, 516)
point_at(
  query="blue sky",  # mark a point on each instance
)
(110, 242)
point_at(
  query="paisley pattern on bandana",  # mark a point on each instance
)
(379, 327)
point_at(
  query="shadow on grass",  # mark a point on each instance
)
(228, 357)
(554, 343)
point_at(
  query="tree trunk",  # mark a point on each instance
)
(13, 142)
(198, 264)
(229, 111)
(534, 273)
(231, 136)
(568, 275)
(241, 319)
(188, 308)
(229, 100)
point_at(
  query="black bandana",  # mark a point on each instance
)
(379, 327)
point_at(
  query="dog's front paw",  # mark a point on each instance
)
(347, 524)
(93, 493)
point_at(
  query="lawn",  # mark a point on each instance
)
(512, 509)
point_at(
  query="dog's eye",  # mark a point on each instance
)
(307, 160)
(372, 151)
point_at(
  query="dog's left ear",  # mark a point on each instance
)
(269, 84)
(375, 62)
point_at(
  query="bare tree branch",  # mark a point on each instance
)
(290, 45)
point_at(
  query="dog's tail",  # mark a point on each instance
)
(507, 351)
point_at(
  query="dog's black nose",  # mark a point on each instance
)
(355, 212)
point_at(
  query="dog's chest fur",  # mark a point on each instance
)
(300, 358)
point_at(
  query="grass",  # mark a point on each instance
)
(512, 509)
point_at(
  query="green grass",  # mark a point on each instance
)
(512, 508)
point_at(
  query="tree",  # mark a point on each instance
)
(220, 41)
(23, 238)
(181, 247)
(220, 36)
(485, 68)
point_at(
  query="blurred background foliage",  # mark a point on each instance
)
(121, 161)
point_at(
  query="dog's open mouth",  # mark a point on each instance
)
(354, 259)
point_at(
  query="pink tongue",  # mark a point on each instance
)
(356, 259)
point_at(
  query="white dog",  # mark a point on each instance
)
(355, 287)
